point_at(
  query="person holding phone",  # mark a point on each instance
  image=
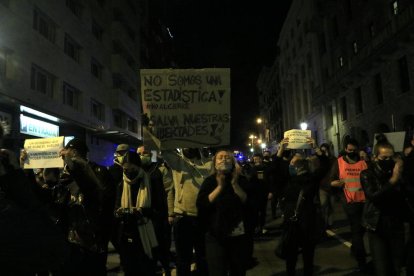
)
(221, 204)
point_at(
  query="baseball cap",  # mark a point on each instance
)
(122, 147)
(78, 145)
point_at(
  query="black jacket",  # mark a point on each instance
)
(221, 216)
(382, 198)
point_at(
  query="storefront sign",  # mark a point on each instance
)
(37, 128)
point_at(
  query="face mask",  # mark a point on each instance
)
(352, 155)
(267, 158)
(292, 170)
(131, 174)
(224, 166)
(386, 165)
(119, 159)
(145, 160)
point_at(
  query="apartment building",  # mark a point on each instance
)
(73, 67)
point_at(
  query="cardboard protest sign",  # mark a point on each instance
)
(187, 107)
(395, 138)
(43, 153)
(297, 138)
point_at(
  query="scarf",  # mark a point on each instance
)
(146, 230)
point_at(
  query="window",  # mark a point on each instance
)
(97, 30)
(394, 7)
(97, 110)
(3, 63)
(341, 61)
(344, 110)
(132, 124)
(329, 116)
(75, 6)
(355, 47)
(378, 89)
(72, 48)
(117, 116)
(42, 81)
(96, 68)
(71, 96)
(404, 74)
(44, 25)
(358, 100)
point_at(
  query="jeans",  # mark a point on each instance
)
(226, 256)
(387, 246)
(188, 235)
(354, 212)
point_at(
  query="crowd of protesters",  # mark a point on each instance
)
(58, 221)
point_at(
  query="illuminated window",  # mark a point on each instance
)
(395, 7)
(355, 47)
(341, 61)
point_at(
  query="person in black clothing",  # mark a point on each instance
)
(221, 203)
(137, 239)
(384, 210)
(261, 187)
(159, 207)
(305, 176)
(83, 196)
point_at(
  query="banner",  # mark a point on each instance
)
(298, 138)
(43, 153)
(395, 138)
(187, 107)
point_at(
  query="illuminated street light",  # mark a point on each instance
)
(263, 145)
(304, 126)
(251, 149)
(259, 141)
(259, 120)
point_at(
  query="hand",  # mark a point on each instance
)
(170, 220)
(23, 157)
(399, 164)
(311, 142)
(285, 141)
(269, 196)
(221, 179)
(338, 183)
(236, 173)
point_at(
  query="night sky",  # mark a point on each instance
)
(233, 35)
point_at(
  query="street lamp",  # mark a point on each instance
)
(263, 145)
(303, 126)
(259, 120)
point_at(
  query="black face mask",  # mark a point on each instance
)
(352, 155)
(131, 174)
(386, 165)
(51, 183)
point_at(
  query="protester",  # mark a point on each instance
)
(159, 206)
(29, 240)
(189, 171)
(134, 211)
(84, 212)
(261, 186)
(345, 175)
(221, 204)
(327, 195)
(384, 210)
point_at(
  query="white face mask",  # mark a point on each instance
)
(224, 166)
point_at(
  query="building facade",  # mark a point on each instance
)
(79, 62)
(353, 74)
